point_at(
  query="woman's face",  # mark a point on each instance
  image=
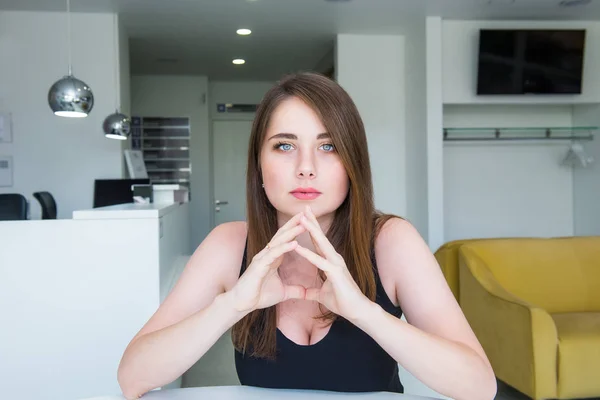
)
(299, 164)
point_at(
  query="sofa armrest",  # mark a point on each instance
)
(519, 338)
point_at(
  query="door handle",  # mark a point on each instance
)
(217, 202)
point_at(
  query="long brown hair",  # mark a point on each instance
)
(356, 222)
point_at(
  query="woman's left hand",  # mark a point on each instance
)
(339, 293)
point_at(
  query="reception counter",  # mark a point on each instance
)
(73, 293)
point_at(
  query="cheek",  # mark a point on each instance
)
(272, 172)
(339, 176)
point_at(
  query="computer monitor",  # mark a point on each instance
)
(109, 192)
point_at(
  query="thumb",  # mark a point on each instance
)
(294, 292)
(313, 294)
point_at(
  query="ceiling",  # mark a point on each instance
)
(198, 36)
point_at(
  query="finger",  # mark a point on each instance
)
(285, 237)
(294, 221)
(319, 237)
(294, 292)
(288, 235)
(313, 294)
(308, 213)
(312, 216)
(314, 259)
(275, 252)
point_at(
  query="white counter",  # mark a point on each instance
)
(73, 293)
(128, 211)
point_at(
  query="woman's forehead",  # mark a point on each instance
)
(295, 117)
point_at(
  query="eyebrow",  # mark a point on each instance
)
(292, 136)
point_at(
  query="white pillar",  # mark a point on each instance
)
(435, 144)
(371, 69)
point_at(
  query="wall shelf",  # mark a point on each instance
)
(165, 145)
(520, 133)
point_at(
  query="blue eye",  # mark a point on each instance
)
(283, 146)
(328, 147)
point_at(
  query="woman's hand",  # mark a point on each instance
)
(339, 293)
(260, 285)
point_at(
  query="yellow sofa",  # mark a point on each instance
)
(447, 258)
(534, 305)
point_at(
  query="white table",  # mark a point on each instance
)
(254, 393)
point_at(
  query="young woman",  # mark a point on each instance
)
(314, 284)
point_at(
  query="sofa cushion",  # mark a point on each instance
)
(578, 354)
(559, 275)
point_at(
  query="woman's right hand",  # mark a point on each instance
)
(260, 286)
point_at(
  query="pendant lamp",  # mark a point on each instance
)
(117, 125)
(69, 96)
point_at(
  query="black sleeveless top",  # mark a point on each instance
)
(346, 360)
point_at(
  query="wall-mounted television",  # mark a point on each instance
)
(514, 62)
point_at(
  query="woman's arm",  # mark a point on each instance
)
(437, 346)
(191, 319)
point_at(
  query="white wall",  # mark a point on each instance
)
(586, 181)
(460, 47)
(372, 70)
(124, 83)
(236, 92)
(507, 188)
(182, 96)
(416, 128)
(60, 155)
(124, 69)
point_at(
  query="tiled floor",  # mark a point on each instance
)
(505, 392)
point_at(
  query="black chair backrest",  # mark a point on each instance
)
(48, 204)
(13, 207)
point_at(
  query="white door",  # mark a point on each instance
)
(230, 153)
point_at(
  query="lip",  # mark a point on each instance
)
(305, 193)
(305, 190)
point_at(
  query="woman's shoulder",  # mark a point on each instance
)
(394, 235)
(233, 230)
(226, 243)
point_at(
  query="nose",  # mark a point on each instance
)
(306, 166)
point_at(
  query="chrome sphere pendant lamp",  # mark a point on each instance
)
(117, 125)
(69, 96)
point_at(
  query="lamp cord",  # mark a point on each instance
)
(69, 38)
(117, 75)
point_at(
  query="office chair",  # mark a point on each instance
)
(13, 207)
(48, 204)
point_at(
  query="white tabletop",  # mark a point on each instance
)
(254, 393)
(127, 211)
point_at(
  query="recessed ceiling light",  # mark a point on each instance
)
(500, 2)
(574, 3)
(243, 32)
(239, 61)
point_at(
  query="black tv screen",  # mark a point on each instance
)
(530, 61)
